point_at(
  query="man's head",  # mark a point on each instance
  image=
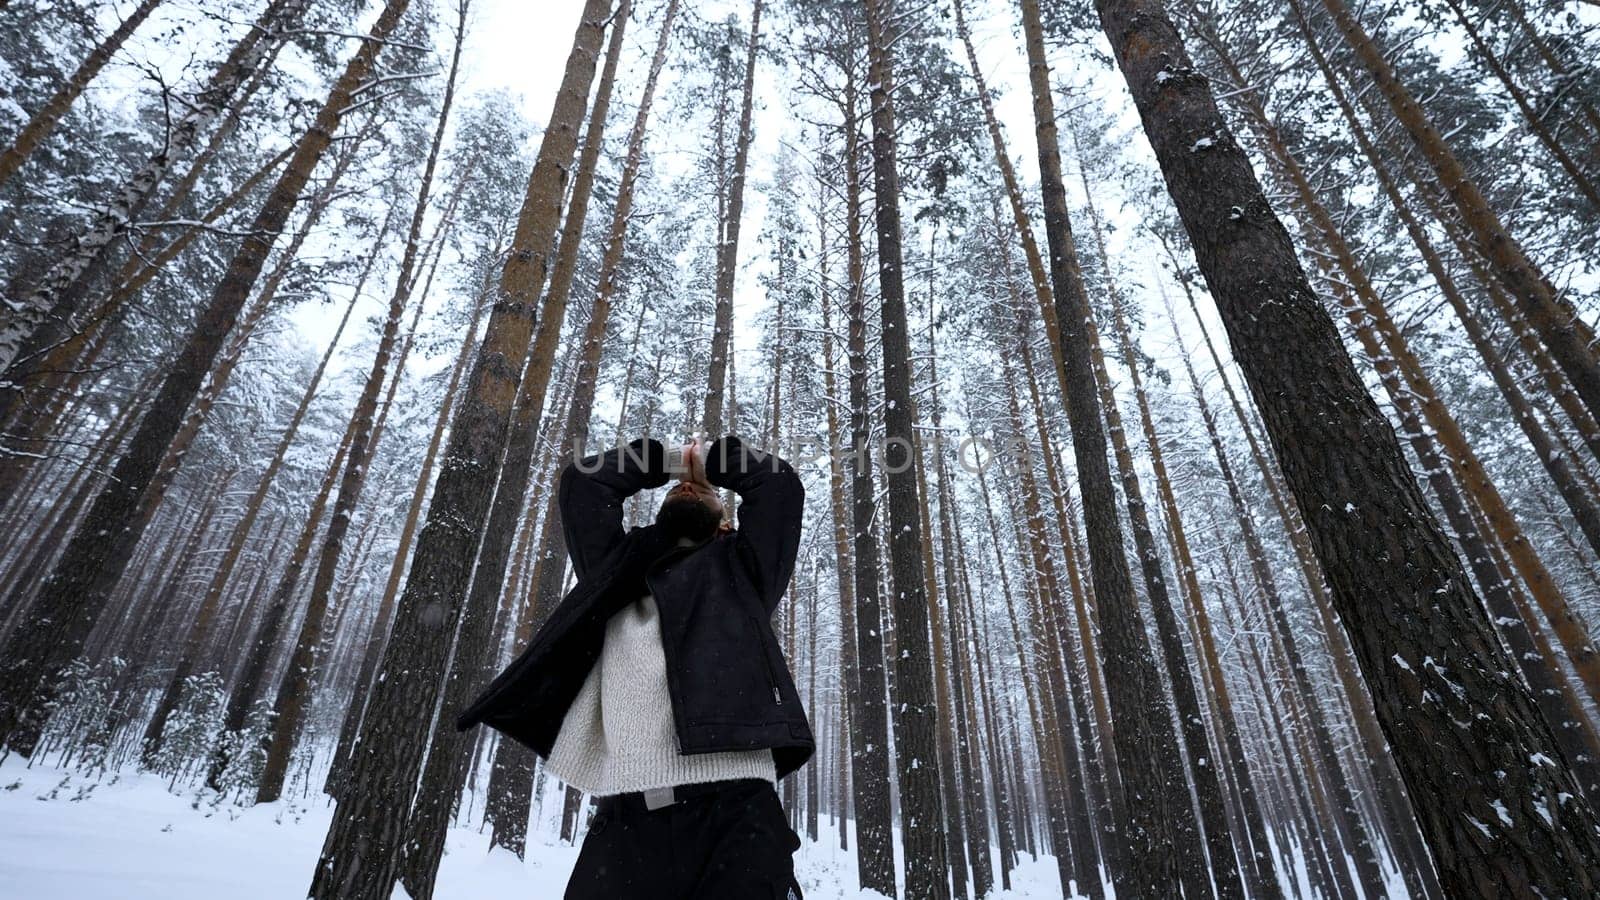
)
(691, 510)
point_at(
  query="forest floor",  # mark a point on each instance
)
(69, 836)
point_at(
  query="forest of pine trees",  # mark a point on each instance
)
(1198, 405)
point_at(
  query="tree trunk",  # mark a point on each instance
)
(511, 781)
(243, 330)
(1072, 834)
(268, 632)
(1563, 621)
(984, 710)
(728, 243)
(85, 485)
(927, 875)
(1558, 69)
(1571, 726)
(361, 851)
(1042, 294)
(1347, 818)
(1261, 874)
(1416, 866)
(852, 742)
(200, 627)
(1557, 464)
(869, 715)
(153, 257)
(1160, 854)
(944, 708)
(813, 791)
(180, 197)
(474, 660)
(510, 830)
(373, 653)
(1201, 767)
(1354, 279)
(972, 804)
(1327, 877)
(1555, 381)
(1364, 511)
(1100, 761)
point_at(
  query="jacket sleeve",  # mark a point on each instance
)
(591, 495)
(772, 503)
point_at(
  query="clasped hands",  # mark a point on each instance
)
(687, 462)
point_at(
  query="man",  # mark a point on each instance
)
(657, 684)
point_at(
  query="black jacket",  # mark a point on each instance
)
(730, 687)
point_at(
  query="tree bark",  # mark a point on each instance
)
(1099, 758)
(1346, 818)
(1475, 479)
(243, 330)
(84, 486)
(1559, 70)
(1556, 463)
(869, 757)
(927, 874)
(983, 708)
(852, 742)
(1261, 874)
(1364, 511)
(1416, 866)
(1575, 732)
(373, 653)
(1042, 295)
(510, 829)
(511, 780)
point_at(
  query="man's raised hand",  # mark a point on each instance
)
(694, 456)
(687, 461)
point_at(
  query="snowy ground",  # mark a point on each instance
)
(64, 837)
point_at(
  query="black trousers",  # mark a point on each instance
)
(733, 844)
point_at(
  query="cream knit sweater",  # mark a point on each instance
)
(618, 735)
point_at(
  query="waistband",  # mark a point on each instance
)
(652, 800)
